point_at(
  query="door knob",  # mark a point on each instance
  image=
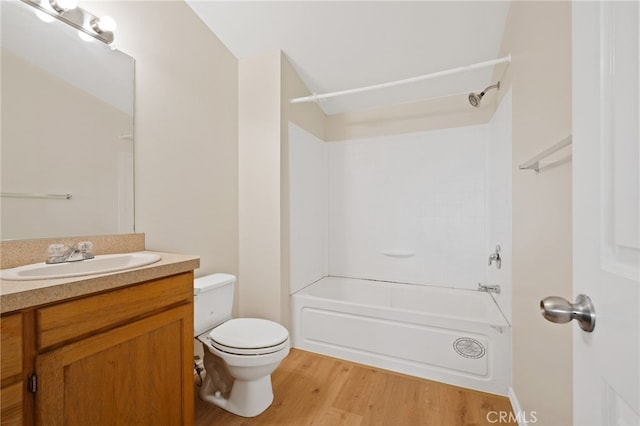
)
(559, 310)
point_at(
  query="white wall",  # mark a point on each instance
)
(498, 202)
(311, 118)
(419, 198)
(308, 212)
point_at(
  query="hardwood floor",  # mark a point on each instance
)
(312, 389)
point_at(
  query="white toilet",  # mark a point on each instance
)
(240, 354)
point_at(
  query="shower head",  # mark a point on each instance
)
(475, 98)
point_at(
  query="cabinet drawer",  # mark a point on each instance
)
(69, 321)
(11, 346)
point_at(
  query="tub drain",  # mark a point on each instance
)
(469, 348)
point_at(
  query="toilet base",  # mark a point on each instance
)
(246, 399)
(239, 384)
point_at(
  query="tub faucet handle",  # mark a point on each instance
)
(496, 257)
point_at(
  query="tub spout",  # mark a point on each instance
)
(489, 288)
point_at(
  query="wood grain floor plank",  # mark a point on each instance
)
(355, 396)
(335, 417)
(312, 389)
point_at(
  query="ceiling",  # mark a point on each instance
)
(338, 45)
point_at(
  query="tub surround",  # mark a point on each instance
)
(422, 212)
(407, 208)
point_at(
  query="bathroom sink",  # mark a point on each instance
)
(98, 265)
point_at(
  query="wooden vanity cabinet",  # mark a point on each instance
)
(118, 357)
(11, 370)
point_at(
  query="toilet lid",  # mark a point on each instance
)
(249, 333)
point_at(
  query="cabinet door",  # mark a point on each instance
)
(11, 370)
(140, 373)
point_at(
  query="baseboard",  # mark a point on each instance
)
(515, 406)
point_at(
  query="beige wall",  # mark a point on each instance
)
(307, 115)
(259, 142)
(538, 36)
(186, 130)
(267, 82)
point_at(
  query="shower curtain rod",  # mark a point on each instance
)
(316, 97)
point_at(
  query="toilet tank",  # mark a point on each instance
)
(212, 301)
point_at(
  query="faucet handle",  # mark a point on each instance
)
(85, 246)
(56, 250)
(86, 249)
(56, 253)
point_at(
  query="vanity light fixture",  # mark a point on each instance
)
(44, 17)
(85, 37)
(104, 24)
(62, 6)
(67, 11)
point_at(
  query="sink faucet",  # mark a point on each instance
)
(59, 253)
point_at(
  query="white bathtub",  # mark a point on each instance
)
(449, 335)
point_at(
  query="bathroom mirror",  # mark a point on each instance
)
(67, 131)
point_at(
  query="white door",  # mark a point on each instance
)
(606, 215)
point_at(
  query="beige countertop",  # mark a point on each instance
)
(16, 295)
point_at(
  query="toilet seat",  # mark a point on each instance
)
(249, 336)
(250, 352)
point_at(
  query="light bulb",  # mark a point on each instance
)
(67, 4)
(84, 36)
(105, 23)
(44, 16)
(63, 5)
